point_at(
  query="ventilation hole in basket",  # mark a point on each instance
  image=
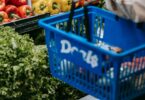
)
(103, 69)
(77, 26)
(52, 42)
(69, 76)
(127, 94)
(140, 25)
(108, 88)
(104, 91)
(95, 89)
(143, 81)
(117, 18)
(81, 83)
(100, 92)
(73, 78)
(108, 98)
(52, 35)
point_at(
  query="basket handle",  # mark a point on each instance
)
(86, 20)
(69, 23)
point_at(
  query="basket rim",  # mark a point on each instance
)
(42, 23)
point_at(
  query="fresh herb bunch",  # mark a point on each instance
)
(23, 70)
(24, 74)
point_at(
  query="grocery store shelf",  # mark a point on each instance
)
(26, 25)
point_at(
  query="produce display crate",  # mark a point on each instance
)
(91, 66)
(27, 24)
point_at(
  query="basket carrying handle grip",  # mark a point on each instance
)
(86, 20)
(69, 23)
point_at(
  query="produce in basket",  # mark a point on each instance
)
(25, 11)
(136, 64)
(40, 6)
(109, 47)
(12, 12)
(2, 5)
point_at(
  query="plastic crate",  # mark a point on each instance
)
(26, 25)
(89, 66)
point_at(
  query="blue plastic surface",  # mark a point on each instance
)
(89, 66)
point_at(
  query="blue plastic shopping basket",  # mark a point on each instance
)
(87, 65)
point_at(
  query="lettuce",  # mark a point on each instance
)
(24, 71)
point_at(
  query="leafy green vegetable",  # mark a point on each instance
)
(24, 74)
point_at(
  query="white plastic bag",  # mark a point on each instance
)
(130, 9)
